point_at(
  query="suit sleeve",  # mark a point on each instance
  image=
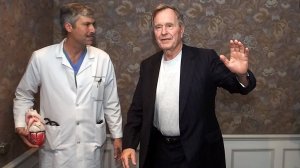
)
(133, 126)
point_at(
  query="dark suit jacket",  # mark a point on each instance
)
(201, 73)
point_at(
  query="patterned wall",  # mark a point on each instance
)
(270, 28)
(24, 27)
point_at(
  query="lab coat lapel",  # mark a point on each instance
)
(88, 61)
(65, 61)
(60, 54)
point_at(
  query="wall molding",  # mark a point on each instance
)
(242, 151)
(259, 137)
(27, 159)
(262, 151)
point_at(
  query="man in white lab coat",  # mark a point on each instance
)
(78, 95)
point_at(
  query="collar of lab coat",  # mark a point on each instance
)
(87, 62)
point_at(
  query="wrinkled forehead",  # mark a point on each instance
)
(165, 16)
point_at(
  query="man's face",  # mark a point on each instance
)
(83, 31)
(168, 33)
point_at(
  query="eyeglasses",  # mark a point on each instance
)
(168, 26)
(50, 122)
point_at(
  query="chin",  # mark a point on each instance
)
(165, 46)
(89, 43)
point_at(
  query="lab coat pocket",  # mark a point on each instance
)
(53, 138)
(100, 133)
(98, 89)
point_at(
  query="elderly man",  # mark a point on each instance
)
(172, 115)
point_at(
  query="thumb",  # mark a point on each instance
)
(133, 159)
(224, 59)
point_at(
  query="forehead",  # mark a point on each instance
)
(165, 16)
(85, 19)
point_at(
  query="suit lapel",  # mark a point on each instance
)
(186, 75)
(154, 79)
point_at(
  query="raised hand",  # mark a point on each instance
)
(238, 60)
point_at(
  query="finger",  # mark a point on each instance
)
(31, 121)
(224, 59)
(133, 158)
(125, 162)
(236, 45)
(231, 46)
(247, 52)
(25, 140)
(22, 131)
(241, 47)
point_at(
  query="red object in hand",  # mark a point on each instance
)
(35, 126)
(37, 138)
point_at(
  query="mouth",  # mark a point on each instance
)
(162, 39)
(90, 38)
(91, 35)
(165, 40)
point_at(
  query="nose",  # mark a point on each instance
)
(163, 30)
(92, 28)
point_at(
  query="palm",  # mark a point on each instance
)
(238, 61)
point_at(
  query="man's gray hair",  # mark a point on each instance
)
(69, 13)
(161, 7)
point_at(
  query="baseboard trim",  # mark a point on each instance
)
(19, 161)
(29, 158)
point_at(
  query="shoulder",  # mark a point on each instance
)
(153, 58)
(97, 52)
(46, 53)
(198, 51)
(46, 49)
(199, 54)
(100, 55)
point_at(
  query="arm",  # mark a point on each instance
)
(24, 99)
(133, 125)
(117, 148)
(112, 111)
(132, 128)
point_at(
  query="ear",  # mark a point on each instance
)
(182, 31)
(68, 27)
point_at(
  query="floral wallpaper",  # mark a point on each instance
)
(270, 28)
(24, 28)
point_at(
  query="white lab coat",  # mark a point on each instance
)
(81, 105)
